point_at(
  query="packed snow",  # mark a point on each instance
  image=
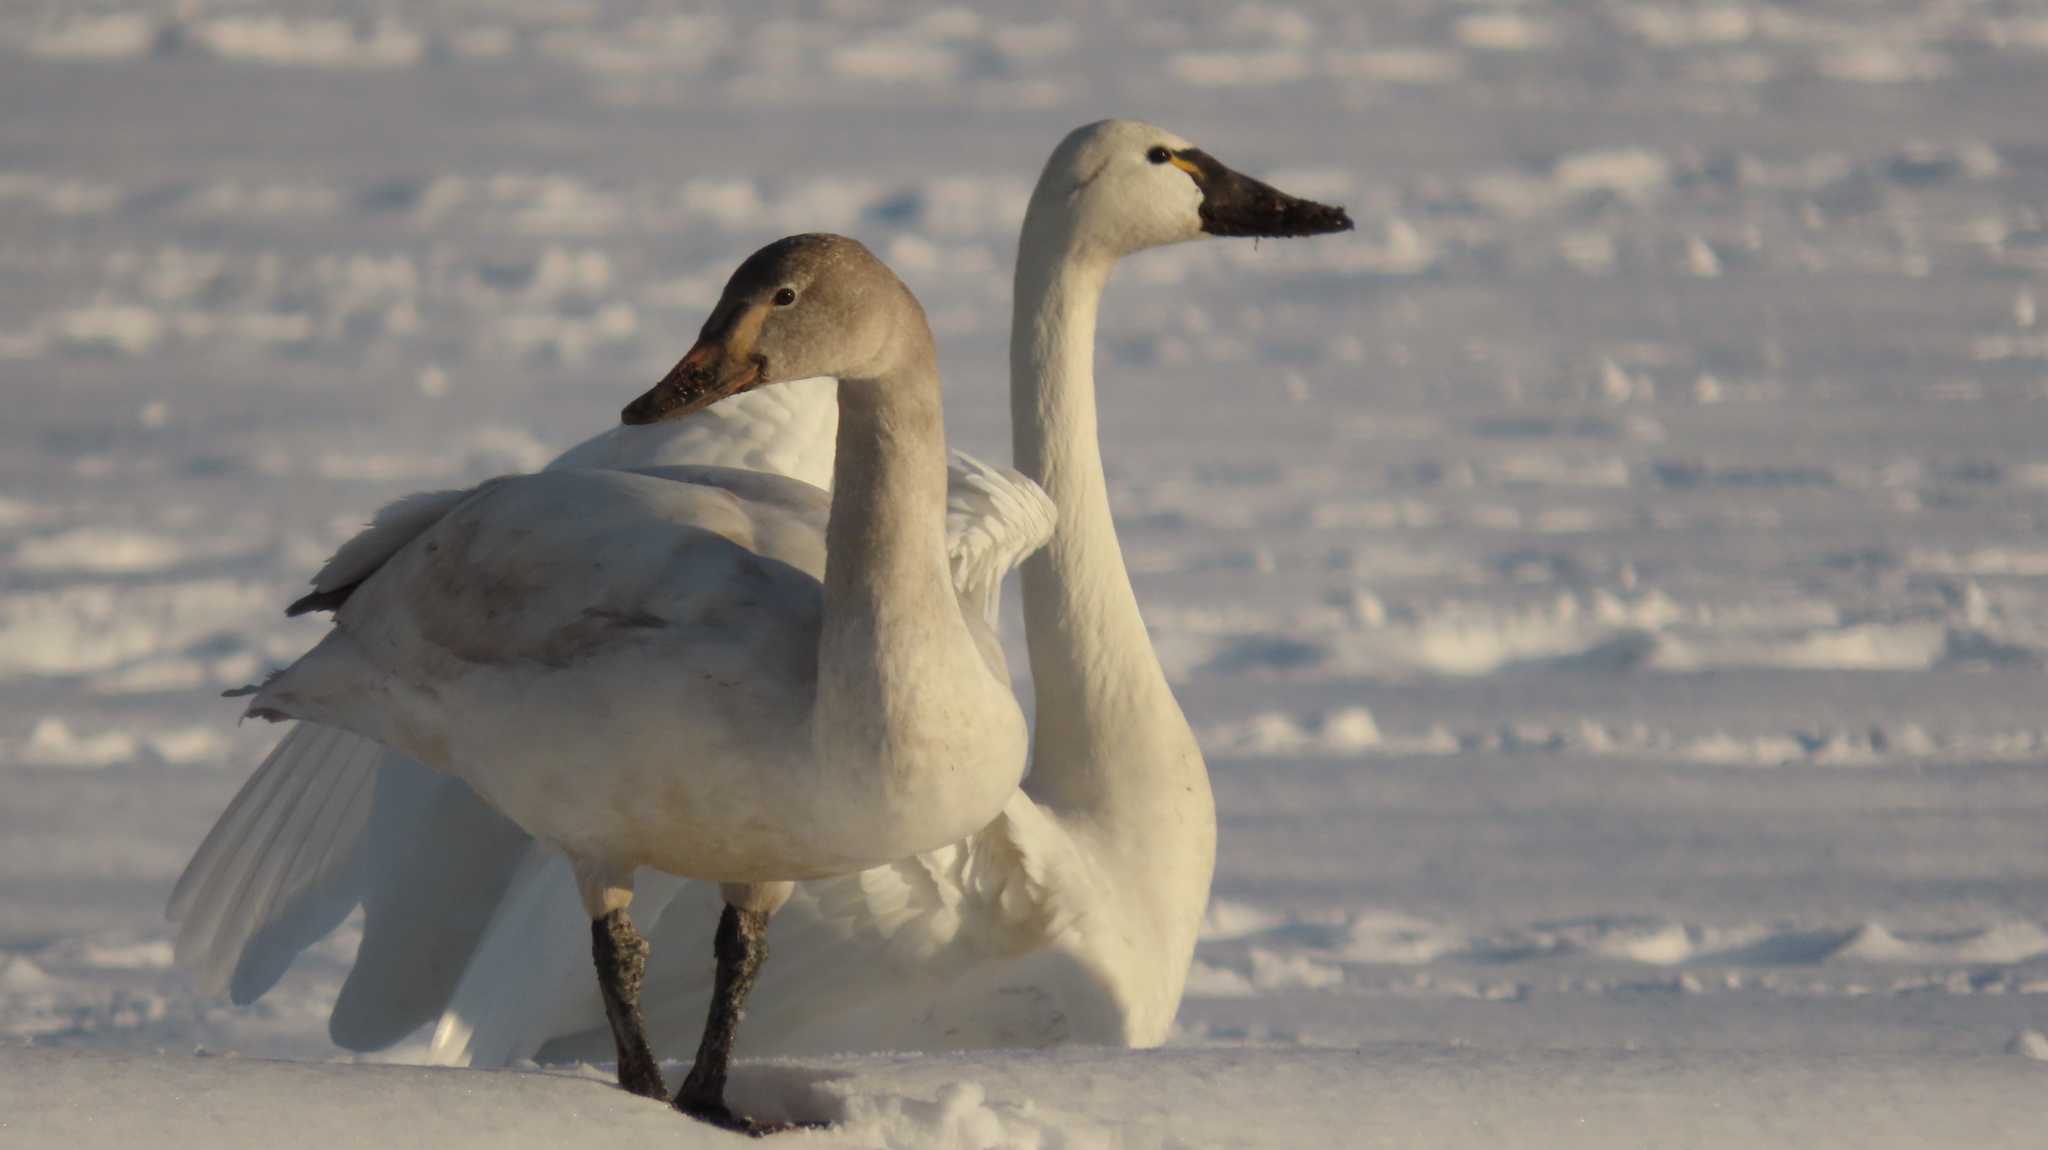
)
(1611, 587)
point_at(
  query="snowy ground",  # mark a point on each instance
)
(1612, 586)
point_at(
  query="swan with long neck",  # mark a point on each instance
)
(1074, 916)
(718, 675)
(1082, 901)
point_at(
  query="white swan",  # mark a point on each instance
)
(1020, 935)
(720, 674)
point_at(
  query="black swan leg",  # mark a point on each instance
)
(741, 946)
(621, 957)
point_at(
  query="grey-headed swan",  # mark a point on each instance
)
(718, 674)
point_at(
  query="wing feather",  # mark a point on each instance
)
(995, 519)
(252, 898)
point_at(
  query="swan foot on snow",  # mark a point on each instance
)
(741, 945)
(621, 957)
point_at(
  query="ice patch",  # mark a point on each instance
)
(1875, 63)
(1347, 730)
(1864, 646)
(1687, 27)
(185, 745)
(555, 204)
(1504, 31)
(20, 513)
(114, 36)
(114, 954)
(668, 45)
(242, 202)
(54, 744)
(310, 43)
(895, 60)
(179, 673)
(1206, 981)
(87, 628)
(1418, 66)
(2002, 944)
(1238, 69)
(1034, 42)
(959, 1117)
(59, 195)
(1296, 952)
(2028, 562)
(1229, 918)
(478, 454)
(18, 974)
(127, 329)
(99, 551)
(1275, 970)
(1635, 176)
(1394, 939)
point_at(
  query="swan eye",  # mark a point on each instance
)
(1159, 154)
(785, 297)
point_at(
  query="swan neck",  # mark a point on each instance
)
(886, 529)
(908, 717)
(1112, 743)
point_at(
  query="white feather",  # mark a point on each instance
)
(281, 868)
(1042, 927)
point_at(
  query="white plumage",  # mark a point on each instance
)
(1071, 917)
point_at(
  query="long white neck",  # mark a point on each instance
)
(908, 711)
(1113, 750)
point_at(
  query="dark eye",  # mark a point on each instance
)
(1159, 154)
(785, 297)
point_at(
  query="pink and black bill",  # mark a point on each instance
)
(700, 379)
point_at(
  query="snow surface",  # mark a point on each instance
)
(1612, 587)
(1419, 1095)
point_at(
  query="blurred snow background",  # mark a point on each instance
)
(1612, 586)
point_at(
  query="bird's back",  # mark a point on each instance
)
(614, 660)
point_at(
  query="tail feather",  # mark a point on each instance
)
(257, 892)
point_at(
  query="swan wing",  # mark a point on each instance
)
(562, 568)
(331, 820)
(549, 567)
(395, 525)
(438, 861)
(281, 867)
(286, 862)
(995, 519)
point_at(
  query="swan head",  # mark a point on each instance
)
(804, 306)
(1124, 186)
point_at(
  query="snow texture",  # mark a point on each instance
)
(1611, 586)
(1425, 1095)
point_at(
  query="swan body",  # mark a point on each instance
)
(622, 657)
(664, 670)
(1069, 918)
(657, 668)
